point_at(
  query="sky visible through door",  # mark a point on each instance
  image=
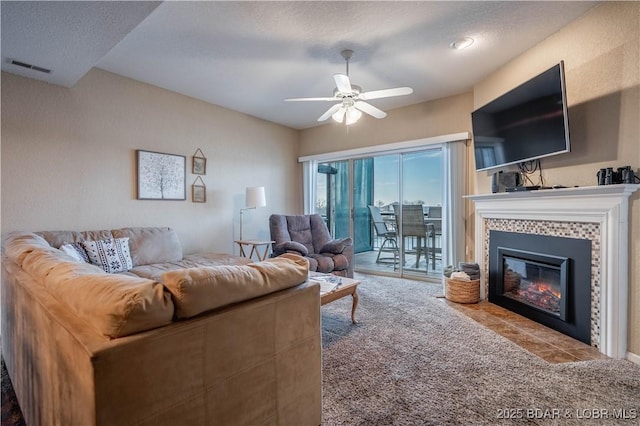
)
(422, 182)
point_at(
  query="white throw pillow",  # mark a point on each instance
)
(76, 251)
(112, 255)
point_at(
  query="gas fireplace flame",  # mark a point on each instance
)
(545, 288)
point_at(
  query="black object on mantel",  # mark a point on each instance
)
(503, 180)
(524, 188)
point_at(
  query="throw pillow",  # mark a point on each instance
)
(76, 251)
(112, 255)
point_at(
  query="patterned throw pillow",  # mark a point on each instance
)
(76, 251)
(111, 255)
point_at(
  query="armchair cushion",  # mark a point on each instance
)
(324, 263)
(336, 246)
(340, 261)
(287, 246)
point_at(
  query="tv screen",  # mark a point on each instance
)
(526, 123)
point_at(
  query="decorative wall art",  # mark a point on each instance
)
(161, 176)
(198, 192)
(199, 163)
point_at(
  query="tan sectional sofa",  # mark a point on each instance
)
(200, 339)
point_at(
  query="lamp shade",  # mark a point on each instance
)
(254, 197)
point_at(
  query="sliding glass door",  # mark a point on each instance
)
(360, 197)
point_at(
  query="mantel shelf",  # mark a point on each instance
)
(578, 191)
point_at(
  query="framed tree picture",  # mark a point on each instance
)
(161, 176)
(199, 163)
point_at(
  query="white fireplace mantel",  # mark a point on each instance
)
(607, 206)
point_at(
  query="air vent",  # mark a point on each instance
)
(29, 66)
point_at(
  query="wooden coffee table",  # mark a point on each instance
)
(333, 288)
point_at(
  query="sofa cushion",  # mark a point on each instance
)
(155, 271)
(112, 255)
(41, 260)
(17, 245)
(151, 245)
(198, 290)
(58, 238)
(115, 305)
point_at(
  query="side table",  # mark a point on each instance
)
(255, 248)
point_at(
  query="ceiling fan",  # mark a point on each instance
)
(351, 99)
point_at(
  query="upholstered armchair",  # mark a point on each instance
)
(307, 235)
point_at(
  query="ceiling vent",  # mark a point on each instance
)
(29, 66)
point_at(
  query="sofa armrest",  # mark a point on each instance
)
(336, 246)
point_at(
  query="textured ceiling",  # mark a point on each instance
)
(249, 56)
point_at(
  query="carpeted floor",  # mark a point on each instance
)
(413, 360)
(11, 414)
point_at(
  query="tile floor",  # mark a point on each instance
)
(548, 344)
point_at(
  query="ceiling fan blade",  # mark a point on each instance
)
(385, 93)
(330, 112)
(342, 83)
(370, 109)
(311, 99)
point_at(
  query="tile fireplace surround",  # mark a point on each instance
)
(597, 213)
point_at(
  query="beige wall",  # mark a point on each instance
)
(601, 56)
(435, 118)
(68, 160)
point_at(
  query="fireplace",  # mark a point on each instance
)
(544, 278)
(599, 214)
(535, 279)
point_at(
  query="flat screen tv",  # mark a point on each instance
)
(526, 123)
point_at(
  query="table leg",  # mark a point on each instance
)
(354, 305)
(264, 255)
(253, 250)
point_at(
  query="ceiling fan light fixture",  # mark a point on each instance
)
(351, 98)
(353, 115)
(339, 115)
(462, 43)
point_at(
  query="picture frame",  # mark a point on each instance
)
(199, 163)
(198, 191)
(161, 176)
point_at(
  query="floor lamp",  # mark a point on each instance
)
(254, 197)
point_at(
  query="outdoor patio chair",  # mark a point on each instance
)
(413, 226)
(390, 243)
(434, 223)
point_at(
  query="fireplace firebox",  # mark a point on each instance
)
(544, 278)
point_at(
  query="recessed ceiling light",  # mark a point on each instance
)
(462, 43)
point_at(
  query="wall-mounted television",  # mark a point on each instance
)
(526, 123)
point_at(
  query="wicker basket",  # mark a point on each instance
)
(462, 291)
